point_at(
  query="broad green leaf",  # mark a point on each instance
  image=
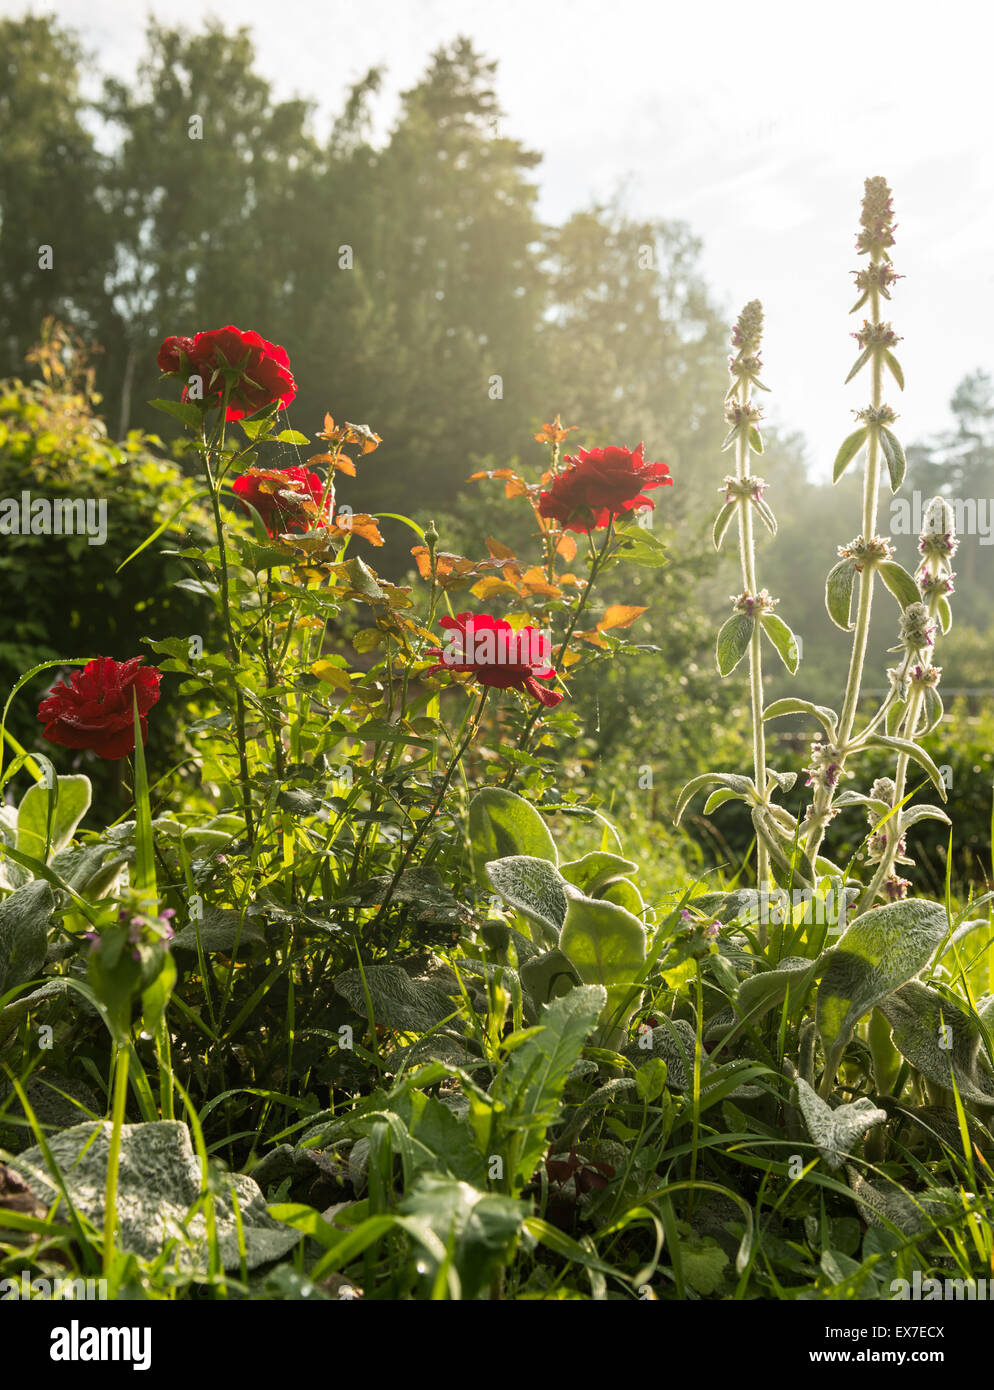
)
(826, 717)
(154, 1216)
(478, 1231)
(638, 546)
(673, 1040)
(783, 639)
(945, 614)
(185, 411)
(34, 833)
(899, 582)
(941, 1039)
(548, 976)
(848, 450)
(438, 1127)
(533, 887)
(624, 892)
(596, 870)
(24, 920)
(767, 988)
(529, 1087)
(218, 930)
(650, 1080)
(733, 642)
(728, 906)
(703, 1262)
(406, 1005)
(502, 823)
(837, 1132)
(606, 945)
(838, 593)
(881, 950)
(890, 1205)
(894, 455)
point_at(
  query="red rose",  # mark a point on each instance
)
(264, 368)
(496, 654)
(95, 710)
(600, 484)
(287, 499)
(173, 355)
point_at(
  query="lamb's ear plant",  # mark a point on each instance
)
(752, 614)
(789, 849)
(885, 947)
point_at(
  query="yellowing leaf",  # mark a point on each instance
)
(367, 638)
(499, 550)
(566, 547)
(359, 524)
(487, 588)
(619, 615)
(534, 582)
(331, 675)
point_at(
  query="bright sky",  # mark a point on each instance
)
(754, 124)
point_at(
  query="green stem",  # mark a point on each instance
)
(596, 564)
(900, 780)
(429, 819)
(747, 551)
(114, 1153)
(214, 486)
(824, 797)
(163, 1053)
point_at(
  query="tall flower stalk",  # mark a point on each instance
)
(867, 552)
(915, 697)
(753, 608)
(744, 416)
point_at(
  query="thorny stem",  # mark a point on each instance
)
(429, 819)
(215, 490)
(596, 564)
